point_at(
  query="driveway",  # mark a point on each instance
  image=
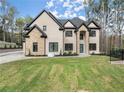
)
(9, 50)
(11, 56)
(19, 55)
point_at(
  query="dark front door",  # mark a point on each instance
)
(81, 48)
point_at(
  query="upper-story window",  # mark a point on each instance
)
(68, 33)
(81, 35)
(44, 27)
(92, 33)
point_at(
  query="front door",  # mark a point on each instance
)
(81, 48)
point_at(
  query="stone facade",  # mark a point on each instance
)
(34, 36)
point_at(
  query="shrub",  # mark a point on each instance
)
(117, 53)
(10, 46)
(15, 46)
(65, 53)
(75, 54)
(60, 52)
(70, 53)
(5, 46)
(92, 53)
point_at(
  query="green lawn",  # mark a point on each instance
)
(92, 73)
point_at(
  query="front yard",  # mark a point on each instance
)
(92, 73)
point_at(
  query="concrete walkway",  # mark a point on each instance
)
(9, 50)
(117, 62)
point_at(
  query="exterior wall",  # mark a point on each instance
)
(85, 41)
(34, 36)
(95, 40)
(70, 39)
(53, 33)
(68, 24)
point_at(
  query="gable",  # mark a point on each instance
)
(68, 24)
(42, 18)
(83, 28)
(35, 30)
(92, 25)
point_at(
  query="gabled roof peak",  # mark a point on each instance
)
(50, 14)
(94, 22)
(76, 21)
(38, 28)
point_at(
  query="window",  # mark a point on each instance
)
(68, 33)
(92, 33)
(92, 46)
(81, 35)
(53, 47)
(68, 47)
(35, 47)
(44, 28)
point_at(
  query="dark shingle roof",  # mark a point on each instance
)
(76, 21)
(62, 21)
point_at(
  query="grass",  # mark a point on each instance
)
(92, 73)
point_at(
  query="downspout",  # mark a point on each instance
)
(87, 42)
(63, 42)
(44, 46)
(88, 51)
(76, 41)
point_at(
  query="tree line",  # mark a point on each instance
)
(110, 16)
(11, 26)
(108, 13)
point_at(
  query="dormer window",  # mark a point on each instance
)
(44, 27)
(81, 35)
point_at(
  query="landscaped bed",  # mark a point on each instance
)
(93, 73)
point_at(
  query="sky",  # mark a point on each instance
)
(60, 8)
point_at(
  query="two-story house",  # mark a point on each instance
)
(46, 34)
